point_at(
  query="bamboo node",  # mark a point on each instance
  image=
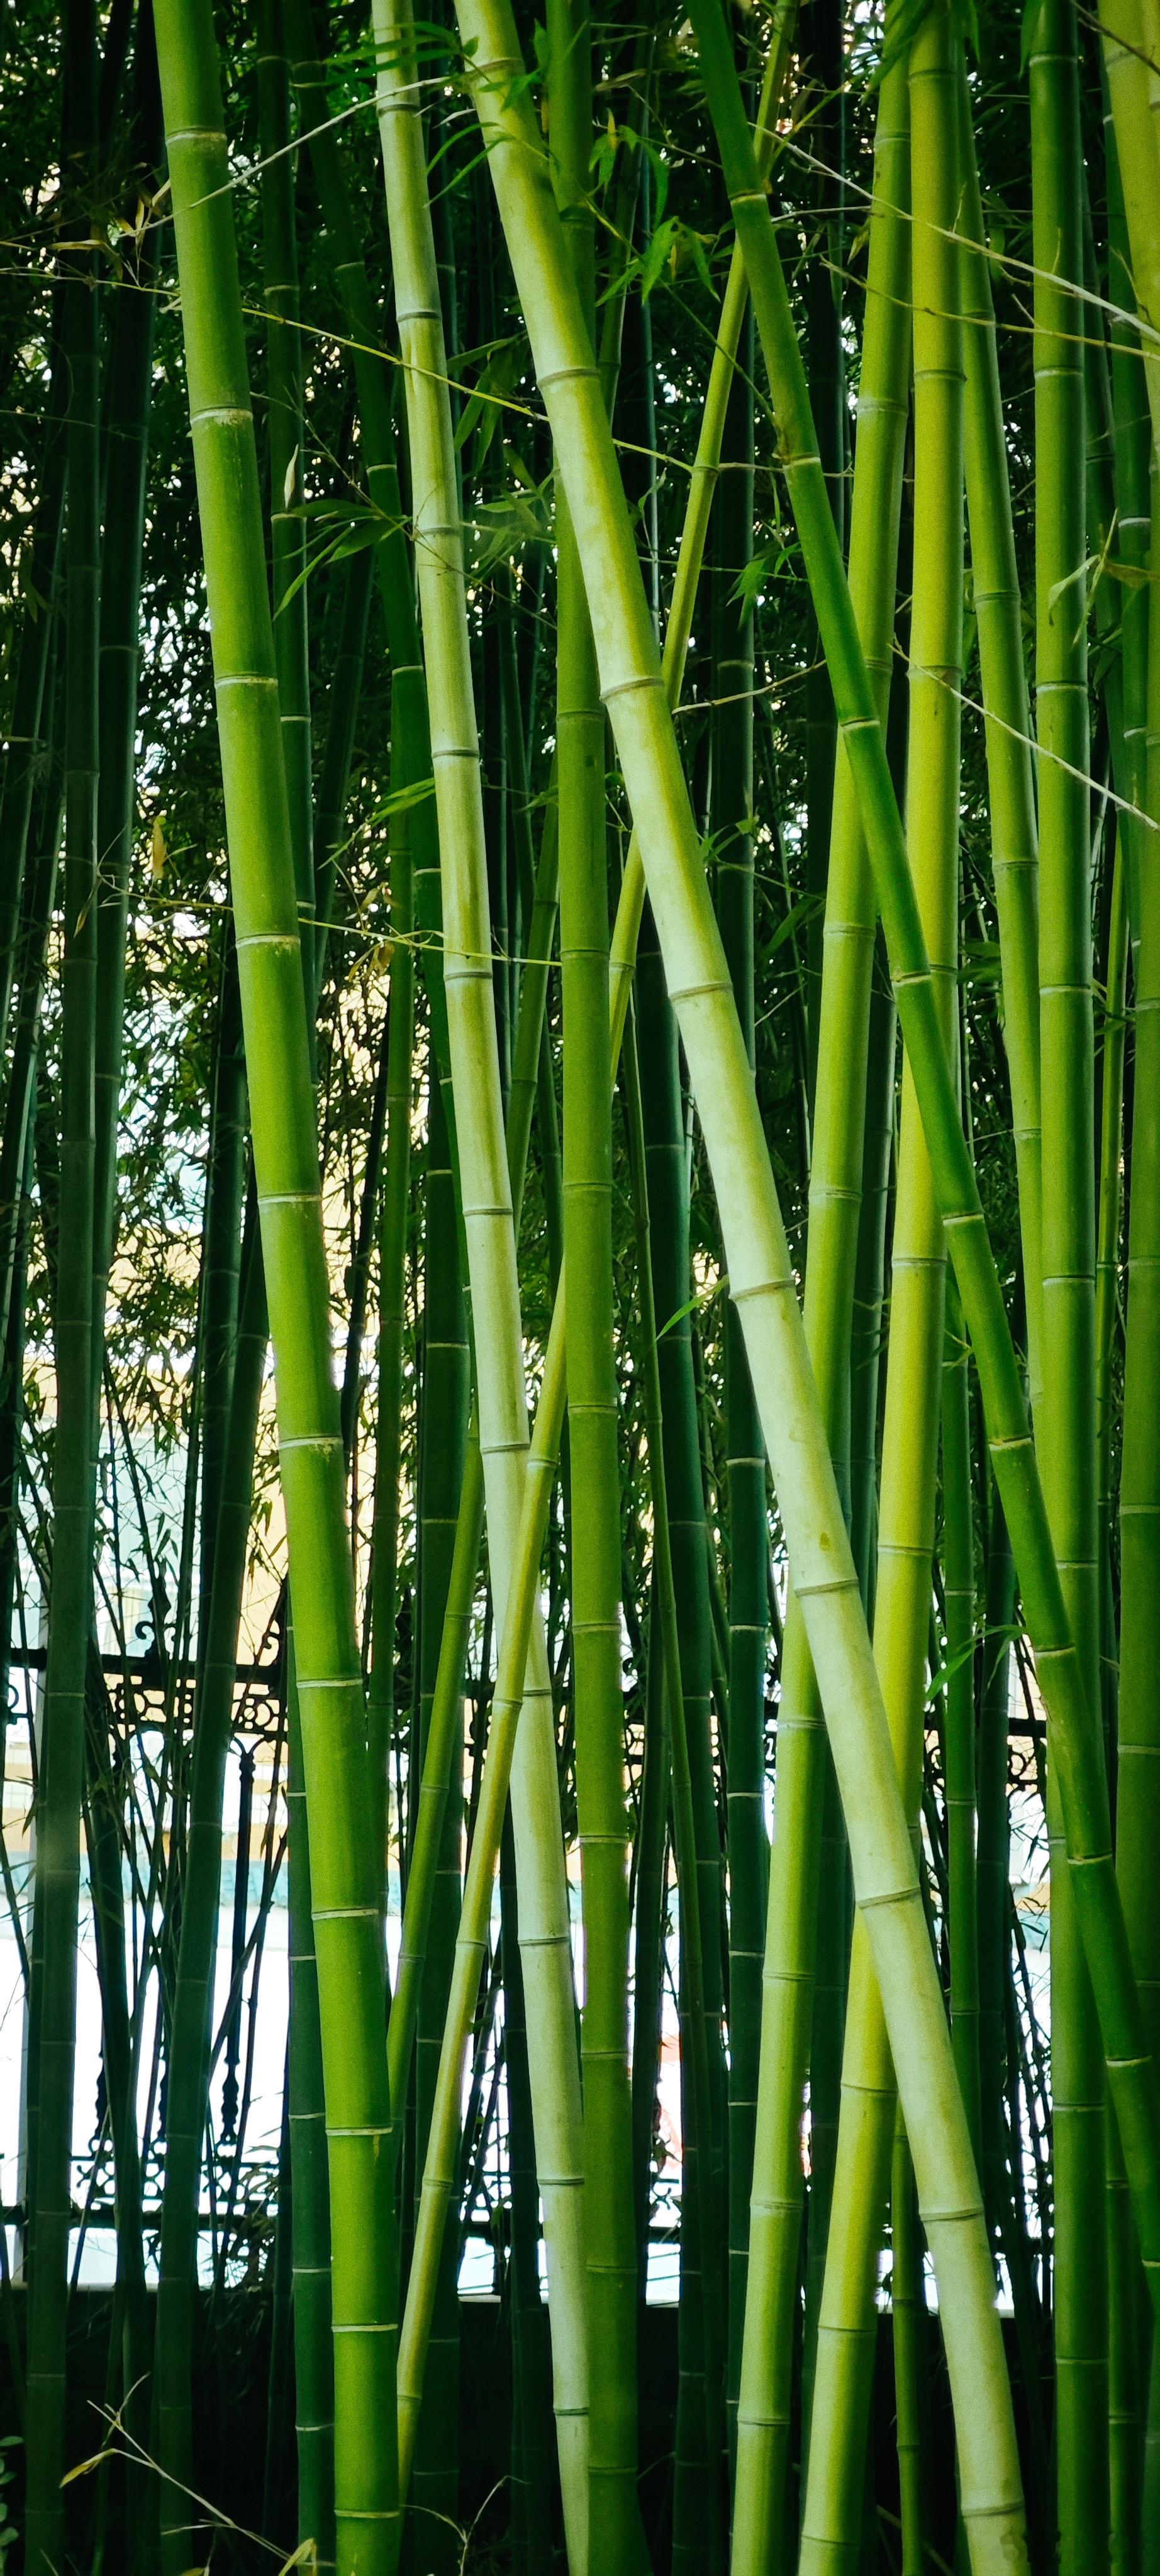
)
(344, 1914)
(227, 416)
(639, 680)
(762, 1288)
(909, 1894)
(714, 988)
(569, 375)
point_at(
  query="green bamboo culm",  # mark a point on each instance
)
(344, 1888)
(832, 2522)
(824, 105)
(733, 844)
(765, 2409)
(192, 2005)
(32, 693)
(285, 435)
(130, 374)
(309, 2206)
(700, 2429)
(958, 1556)
(615, 2533)
(1007, 726)
(439, 2171)
(444, 1723)
(52, 2000)
(410, 743)
(221, 1262)
(1128, 44)
(130, 384)
(908, 2315)
(486, 1201)
(1065, 1426)
(309, 2212)
(400, 1036)
(760, 1280)
(1139, 1498)
(443, 1430)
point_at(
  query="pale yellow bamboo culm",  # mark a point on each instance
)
(762, 1284)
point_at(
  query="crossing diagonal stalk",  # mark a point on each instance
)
(760, 1277)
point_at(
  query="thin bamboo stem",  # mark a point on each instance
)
(52, 2024)
(488, 1224)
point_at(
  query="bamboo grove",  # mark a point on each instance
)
(580, 1287)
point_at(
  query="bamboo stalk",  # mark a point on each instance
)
(487, 1217)
(192, 2002)
(1006, 719)
(438, 2178)
(1124, 25)
(1065, 1431)
(758, 1261)
(958, 1558)
(697, 2497)
(442, 1446)
(615, 2532)
(310, 2214)
(31, 702)
(748, 1854)
(400, 1039)
(446, 1710)
(130, 367)
(645, 743)
(832, 2520)
(1140, 1462)
(57, 1890)
(409, 722)
(765, 2414)
(287, 481)
(343, 1876)
(1139, 1500)
(1108, 1229)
